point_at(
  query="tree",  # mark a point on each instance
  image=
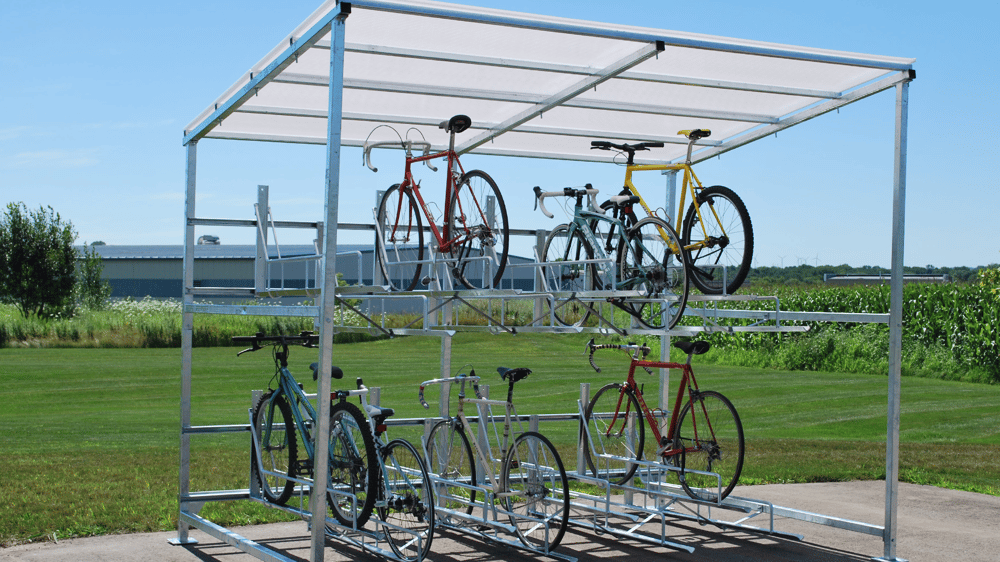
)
(91, 290)
(37, 260)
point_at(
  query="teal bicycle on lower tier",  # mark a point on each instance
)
(368, 474)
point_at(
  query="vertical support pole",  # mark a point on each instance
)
(260, 273)
(540, 236)
(377, 277)
(328, 306)
(671, 201)
(895, 325)
(581, 459)
(664, 379)
(187, 342)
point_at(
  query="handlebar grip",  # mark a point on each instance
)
(422, 401)
(540, 200)
(592, 348)
(368, 158)
(602, 145)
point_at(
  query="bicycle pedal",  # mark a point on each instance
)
(304, 467)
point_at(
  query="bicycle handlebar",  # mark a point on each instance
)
(307, 338)
(406, 145)
(633, 348)
(589, 191)
(624, 147)
(458, 379)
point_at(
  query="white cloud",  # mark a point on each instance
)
(78, 158)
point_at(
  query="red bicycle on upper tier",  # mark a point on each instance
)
(474, 236)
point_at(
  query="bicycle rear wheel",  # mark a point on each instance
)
(478, 224)
(354, 468)
(399, 241)
(711, 435)
(536, 491)
(274, 429)
(616, 441)
(449, 456)
(406, 502)
(722, 223)
(652, 260)
(561, 247)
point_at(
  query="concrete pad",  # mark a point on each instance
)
(933, 524)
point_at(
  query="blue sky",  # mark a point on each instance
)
(96, 94)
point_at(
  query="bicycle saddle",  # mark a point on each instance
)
(335, 371)
(513, 375)
(693, 347)
(456, 124)
(695, 134)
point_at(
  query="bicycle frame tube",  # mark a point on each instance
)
(443, 236)
(297, 401)
(687, 382)
(689, 184)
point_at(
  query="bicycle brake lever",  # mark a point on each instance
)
(254, 348)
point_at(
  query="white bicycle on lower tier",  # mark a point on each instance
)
(531, 490)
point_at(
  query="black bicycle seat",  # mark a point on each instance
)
(513, 375)
(456, 124)
(693, 347)
(335, 371)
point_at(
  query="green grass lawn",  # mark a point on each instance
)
(90, 436)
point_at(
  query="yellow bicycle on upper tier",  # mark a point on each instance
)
(716, 231)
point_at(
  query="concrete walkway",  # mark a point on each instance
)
(933, 524)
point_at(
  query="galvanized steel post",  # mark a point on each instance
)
(317, 502)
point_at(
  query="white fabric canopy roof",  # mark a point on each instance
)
(533, 85)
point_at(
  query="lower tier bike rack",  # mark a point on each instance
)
(647, 497)
(361, 538)
(487, 525)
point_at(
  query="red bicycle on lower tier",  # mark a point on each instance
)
(703, 441)
(475, 235)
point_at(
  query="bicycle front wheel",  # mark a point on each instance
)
(406, 502)
(274, 430)
(536, 491)
(652, 260)
(616, 439)
(449, 457)
(479, 231)
(710, 435)
(720, 224)
(399, 240)
(561, 250)
(353, 466)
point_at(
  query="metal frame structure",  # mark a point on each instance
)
(235, 116)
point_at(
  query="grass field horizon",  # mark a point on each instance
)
(92, 435)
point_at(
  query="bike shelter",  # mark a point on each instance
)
(539, 87)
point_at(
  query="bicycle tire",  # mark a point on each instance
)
(561, 246)
(354, 468)
(535, 488)
(734, 251)
(651, 259)
(721, 452)
(468, 220)
(406, 501)
(274, 428)
(449, 457)
(401, 228)
(611, 436)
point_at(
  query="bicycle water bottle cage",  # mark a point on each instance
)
(513, 375)
(335, 371)
(693, 347)
(456, 124)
